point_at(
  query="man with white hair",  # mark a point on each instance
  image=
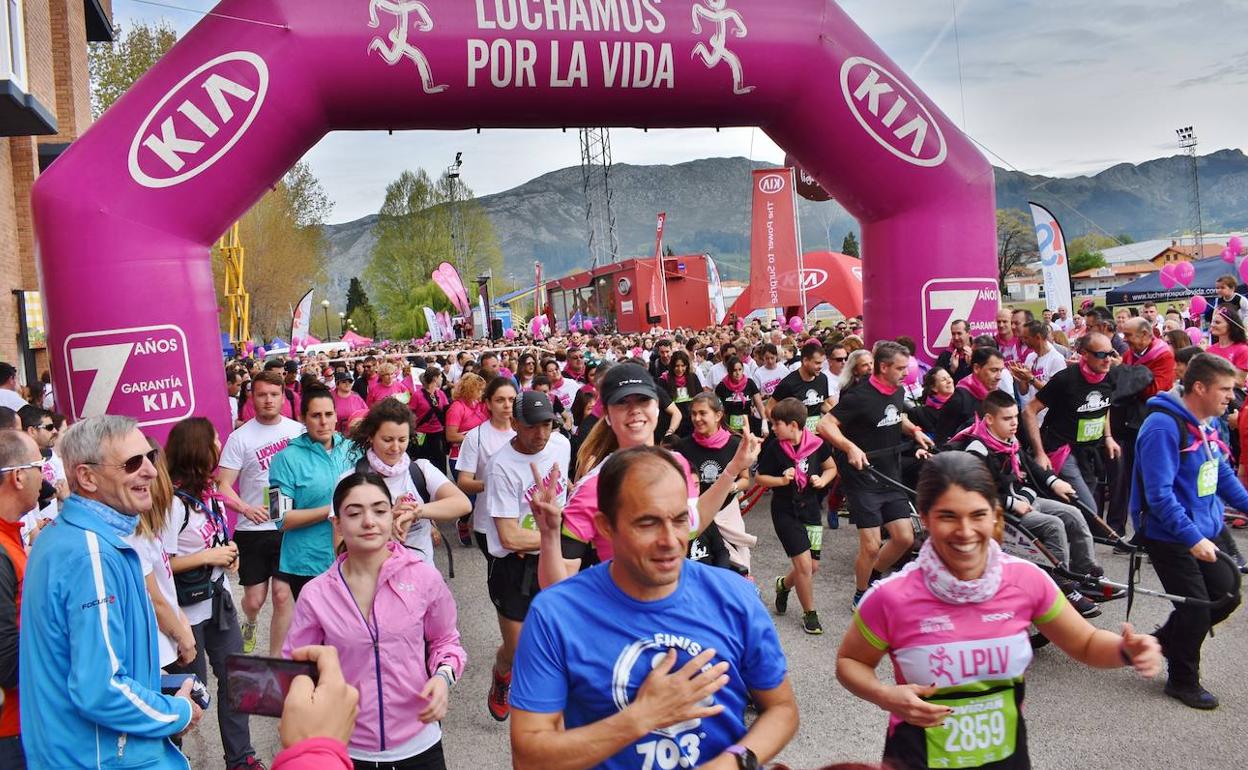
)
(89, 666)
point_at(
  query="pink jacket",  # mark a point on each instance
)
(413, 618)
(314, 754)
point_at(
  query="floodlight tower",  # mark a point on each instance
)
(1187, 142)
(459, 250)
(604, 242)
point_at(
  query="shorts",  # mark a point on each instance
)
(794, 535)
(259, 553)
(296, 582)
(512, 581)
(872, 509)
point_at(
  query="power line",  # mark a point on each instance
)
(212, 13)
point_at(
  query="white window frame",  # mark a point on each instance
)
(13, 43)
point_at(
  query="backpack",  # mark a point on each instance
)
(422, 489)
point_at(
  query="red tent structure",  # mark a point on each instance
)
(355, 340)
(830, 277)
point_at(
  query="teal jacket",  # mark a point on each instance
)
(306, 473)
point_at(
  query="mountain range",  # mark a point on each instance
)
(708, 206)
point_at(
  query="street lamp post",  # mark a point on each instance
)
(328, 331)
(341, 322)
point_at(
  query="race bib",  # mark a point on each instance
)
(736, 422)
(982, 729)
(812, 421)
(814, 533)
(1207, 481)
(402, 397)
(682, 395)
(1091, 429)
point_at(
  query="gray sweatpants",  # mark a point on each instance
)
(1075, 530)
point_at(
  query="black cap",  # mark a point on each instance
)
(624, 380)
(292, 367)
(533, 407)
(343, 377)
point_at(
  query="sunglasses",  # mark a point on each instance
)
(33, 464)
(132, 464)
(50, 427)
(840, 359)
(1100, 355)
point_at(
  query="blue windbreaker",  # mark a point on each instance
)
(1167, 467)
(90, 674)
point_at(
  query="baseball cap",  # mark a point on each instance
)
(343, 377)
(292, 367)
(624, 380)
(533, 407)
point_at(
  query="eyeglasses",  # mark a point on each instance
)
(1100, 355)
(132, 464)
(33, 464)
(840, 359)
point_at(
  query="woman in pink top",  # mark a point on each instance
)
(346, 401)
(392, 620)
(466, 412)
(955, 624)
(1229, 340)
(429, 406)
(388, 385)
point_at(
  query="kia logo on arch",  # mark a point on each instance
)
(813, 278)
(771, 184)
(891, 113)
(197, 122)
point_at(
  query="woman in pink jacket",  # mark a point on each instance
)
(392, 620)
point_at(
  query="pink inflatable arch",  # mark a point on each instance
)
(126, 217)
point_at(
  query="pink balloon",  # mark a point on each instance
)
(587, 326)
(1235, 244)
(795, 325)
(1166, 276)
(1184, 273)
(913, 375)
(1228, 255)
(1198, 305)
(1194, 335)
(1243, 270)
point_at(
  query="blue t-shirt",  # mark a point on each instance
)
(308, 474)
(587, 646)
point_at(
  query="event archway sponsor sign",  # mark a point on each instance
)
(126, 217)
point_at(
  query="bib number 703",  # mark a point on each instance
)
(666, 754)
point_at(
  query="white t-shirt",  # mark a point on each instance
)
(509, 485)
(11, 399)
(49, 400)
(156, 562)
(250, 450)
(199, 534)
(718, 373)
(480, 444)
(1044, 367)
(54, 473)
(420, 536)
(566, 391)
(767, 379)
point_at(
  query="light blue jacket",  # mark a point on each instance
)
(90, 674)
(308, 474)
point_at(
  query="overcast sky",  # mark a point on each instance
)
(1060, 87)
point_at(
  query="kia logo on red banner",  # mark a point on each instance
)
(199, 120)
(771, 184)
(891, 113)
(813, 278)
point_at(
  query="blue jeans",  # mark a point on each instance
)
(11, 755)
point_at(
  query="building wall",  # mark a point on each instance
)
(67, 23)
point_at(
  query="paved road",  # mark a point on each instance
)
(1077, 718)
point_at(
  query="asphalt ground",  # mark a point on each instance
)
(1076, 717)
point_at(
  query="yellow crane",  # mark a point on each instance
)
(237, 299)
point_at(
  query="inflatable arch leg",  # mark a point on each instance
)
(126, 217)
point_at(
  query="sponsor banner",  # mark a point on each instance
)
(143, 372)
(945, 300)
(657, 288)
(775, 260)
(301, 319)
(431, 322)
(807, 186)
(1053, 258)
(717, 290)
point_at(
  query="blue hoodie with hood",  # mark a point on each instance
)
(1167, 480)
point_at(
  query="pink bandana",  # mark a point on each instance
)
(979, 429)
(882, 386)
(717, 440)
(936, 402)
(389, 471)
(736, 386)
(973, 386)
(1092, 377)
(809, 444)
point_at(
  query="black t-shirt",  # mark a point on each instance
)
(708, 464)
(1077, 409)
(872, 421)
(772, 461)
(813, 394)
(737, 405)
(957, 413)
(665, 420)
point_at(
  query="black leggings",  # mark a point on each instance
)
(430, 759)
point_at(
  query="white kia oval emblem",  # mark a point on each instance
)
(813, 278)
(891, 113)
(209, 111)
(771, 184)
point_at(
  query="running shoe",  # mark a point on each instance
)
(249, 637)
(464, 530)
(1240, 562)
(250, 763)
(496, 702)
(1193, 697)
(810, 623)
(1083, 605)
(857, 598)
(1107, 594)
(782, 596)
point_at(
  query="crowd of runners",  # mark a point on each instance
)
(613, 484)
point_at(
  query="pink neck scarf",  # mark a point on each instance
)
(388, 471)
(944, 586)
(973, 386)
(736, 386)
(979, 429)
(936, 401)
(882, 386)
(808, 445)
(1093, 378)
(717, 440)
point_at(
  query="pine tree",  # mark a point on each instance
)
(849, 246)
(356, 296)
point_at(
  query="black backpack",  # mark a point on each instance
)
(422, 489)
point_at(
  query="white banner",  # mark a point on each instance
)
(717, 290)
(1053, 259)
(431, 320)
(302, 319)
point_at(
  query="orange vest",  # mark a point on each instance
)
(11, 541)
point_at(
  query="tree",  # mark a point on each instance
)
(114, 67)
(414, 235)
(356, 296)
(1085, 251)
(1016, 242)
(285, 250)
(1086, 261)
(849, 246)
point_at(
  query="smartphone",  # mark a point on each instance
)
(278, 504)
(170, 684)
(255, 685)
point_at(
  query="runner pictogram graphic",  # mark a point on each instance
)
(939, 662)
(718, 12)
(400, 46)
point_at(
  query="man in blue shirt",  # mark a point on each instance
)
(90, 669)
(648, 660)
(1177, 509)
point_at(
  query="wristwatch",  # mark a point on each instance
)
(745, 758)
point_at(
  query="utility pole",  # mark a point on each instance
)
(604, 242)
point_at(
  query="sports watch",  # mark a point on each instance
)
(745, 758)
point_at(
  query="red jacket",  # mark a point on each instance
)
(314, 754)
(1160, 361)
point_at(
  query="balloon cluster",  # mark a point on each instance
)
(1177, 273)
(509, 334)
